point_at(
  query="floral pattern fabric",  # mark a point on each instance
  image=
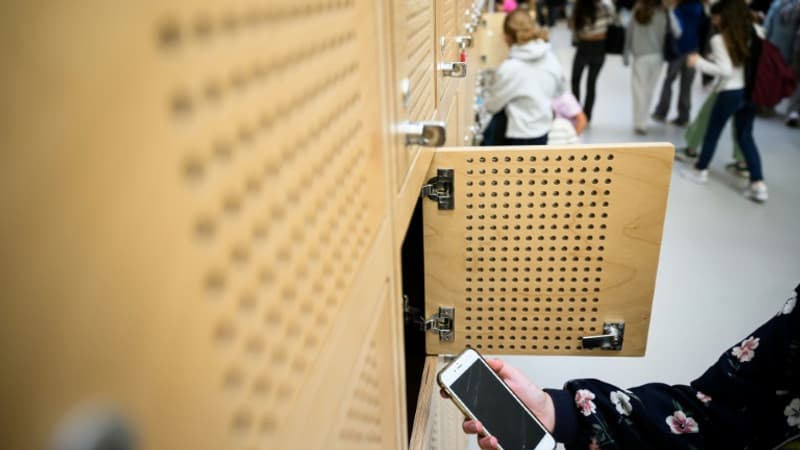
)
(749, 399)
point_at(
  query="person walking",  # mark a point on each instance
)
(644, 39)
(691, 16)
(589, 22)
(730, 53)
(782, 28)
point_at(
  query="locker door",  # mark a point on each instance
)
(193, 218)
(543, 247)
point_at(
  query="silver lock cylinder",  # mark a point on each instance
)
(428, 134)
(453, 69)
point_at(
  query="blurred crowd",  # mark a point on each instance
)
(748, 55)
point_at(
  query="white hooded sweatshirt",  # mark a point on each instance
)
(525, 84)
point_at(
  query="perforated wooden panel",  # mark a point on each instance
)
(194, 205)
(545, 245)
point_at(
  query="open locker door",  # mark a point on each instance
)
(530, 250)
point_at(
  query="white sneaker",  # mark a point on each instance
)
(694, 175)
(757, 192)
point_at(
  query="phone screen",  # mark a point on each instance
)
(497, 409)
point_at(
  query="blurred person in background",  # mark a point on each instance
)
(782, 28)
(730, 54)
(691, 17)
(589, 23)
(644, 40)
(524, 85)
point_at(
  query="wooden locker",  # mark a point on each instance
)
(194, 219)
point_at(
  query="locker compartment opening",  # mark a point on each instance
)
(413, 281)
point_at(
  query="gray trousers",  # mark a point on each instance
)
(675, 68)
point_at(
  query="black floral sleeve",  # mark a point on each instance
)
(749, 399)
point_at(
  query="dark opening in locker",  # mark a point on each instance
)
(413, 279)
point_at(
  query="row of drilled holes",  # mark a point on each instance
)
(529, 300)
(172, 34)
(213, 91)
(534, 158)
(524, 347)
(516, 250)
(515, 319)
(541, 237)
(541, 227)
(519, 205)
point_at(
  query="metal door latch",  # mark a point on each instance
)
(440, 188)
(464, 42)
(453, 69)
(611, 340)
(428, 134)
(442, 323)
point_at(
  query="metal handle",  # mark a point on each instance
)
(454, 69)
(428, 134)
(611, 340)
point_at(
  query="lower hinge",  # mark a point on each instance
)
(441, 322)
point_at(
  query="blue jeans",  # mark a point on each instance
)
(732, 103)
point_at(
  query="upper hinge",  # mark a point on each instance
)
(441, 188)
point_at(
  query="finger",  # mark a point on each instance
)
(496, 364)
(488, 443)
(472, 427)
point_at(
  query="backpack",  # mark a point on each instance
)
(770, 78)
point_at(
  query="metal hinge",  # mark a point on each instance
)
(611, 340)
(441, 322)
(441, 188)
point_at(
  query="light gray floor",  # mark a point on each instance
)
(726, 264)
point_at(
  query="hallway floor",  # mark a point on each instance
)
(727, 264)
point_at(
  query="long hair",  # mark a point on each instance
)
(585, 13)
(736, 25)
(644, 10)
(519, 26)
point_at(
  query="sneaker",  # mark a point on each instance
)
(686, 154)
(678, 122)
(757, 192)
(793, 120)
(695, 175)
(658, 118)
(739, 169)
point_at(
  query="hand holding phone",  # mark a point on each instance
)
(501, 399)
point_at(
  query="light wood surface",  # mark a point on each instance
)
(437, 422)
(545, 245)
(195, 214)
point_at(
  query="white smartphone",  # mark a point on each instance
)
(480, 394)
